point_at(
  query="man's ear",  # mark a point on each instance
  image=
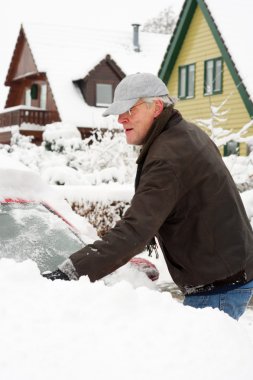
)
(158, 107)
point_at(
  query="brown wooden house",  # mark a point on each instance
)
(30, 99)
(69, 74)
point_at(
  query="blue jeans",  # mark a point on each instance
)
(233, 301)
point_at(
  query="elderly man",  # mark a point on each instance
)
(185, 197)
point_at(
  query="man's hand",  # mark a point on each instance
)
(56, 275)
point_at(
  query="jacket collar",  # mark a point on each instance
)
(158, 126)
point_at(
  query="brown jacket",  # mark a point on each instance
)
(185, 197)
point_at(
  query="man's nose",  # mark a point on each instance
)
(123, 118)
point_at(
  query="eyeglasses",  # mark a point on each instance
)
(131, 109)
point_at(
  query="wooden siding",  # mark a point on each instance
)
(16, 95)
(5, 137)
(26, 63)
(198, 46)
(36, 135)
(22, 62)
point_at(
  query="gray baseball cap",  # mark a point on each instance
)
(132, 88)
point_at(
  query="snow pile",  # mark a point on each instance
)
(62, 330)
(240, 167)
(61, 131)
(101, 193)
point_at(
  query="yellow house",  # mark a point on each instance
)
(207, 67)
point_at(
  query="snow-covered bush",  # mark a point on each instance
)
(241, 169)
(21, 141)
(101, 215)
(104, 157)
(64, 158)
(60, 137)
(22, 149)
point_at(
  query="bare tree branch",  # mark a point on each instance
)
(163, 23)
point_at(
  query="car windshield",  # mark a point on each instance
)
(32, 231)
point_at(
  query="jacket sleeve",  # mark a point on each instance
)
(152, 203)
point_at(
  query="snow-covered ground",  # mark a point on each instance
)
(121, 327)
(60, 330)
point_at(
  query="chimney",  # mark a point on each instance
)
(136, 37)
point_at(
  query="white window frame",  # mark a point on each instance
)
(28, 99)
(43, 96)
(213, 76)
(186, 88)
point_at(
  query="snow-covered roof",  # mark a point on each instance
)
(67, 53)
(234, 19)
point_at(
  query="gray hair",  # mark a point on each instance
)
(166, 99)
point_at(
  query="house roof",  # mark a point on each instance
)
(230, 24)
(68, 53)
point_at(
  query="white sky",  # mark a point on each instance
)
(110, 14)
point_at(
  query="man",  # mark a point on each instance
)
(184, 196)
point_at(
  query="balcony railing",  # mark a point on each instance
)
(18, 116)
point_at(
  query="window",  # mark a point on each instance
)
(103, 94)
(213, 76)
(34, 91)
(186, 81)
(232, 147)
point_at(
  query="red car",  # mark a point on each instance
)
(36, 224)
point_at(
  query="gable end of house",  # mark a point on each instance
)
(177, 40)
(98, 86)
